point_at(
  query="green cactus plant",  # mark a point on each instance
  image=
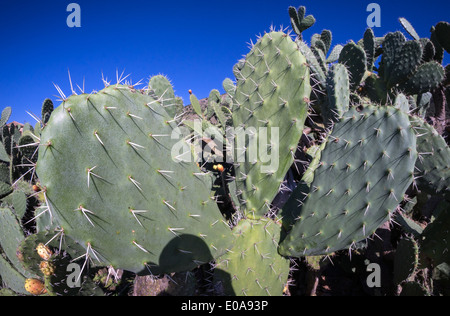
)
(166, 225)
(11, 270)
(116, 192)
(253, 267)
(365, 169)
(299, 21)
(272, 93)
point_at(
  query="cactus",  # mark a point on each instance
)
(272, 92)
(365, 169)
(50, 262)
(161, 89)
(11, 270)
(299, 22)
(402, 68)
(115, 191)
(406, 261)
(442, 30)
(338, 92)
(165, 225)
(354, 58)
(47, 109)
(434, 164)
(253, 267)
(435, 239)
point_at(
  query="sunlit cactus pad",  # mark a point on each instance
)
(365, 169)
(272, 92)
(106, 167)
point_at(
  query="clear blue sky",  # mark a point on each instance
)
(194, 43)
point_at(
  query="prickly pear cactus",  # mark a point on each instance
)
(272, 93)
(253, 267)
(111, 182)
(365, 169)
(433, 165)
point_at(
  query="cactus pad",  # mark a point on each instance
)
(253, 267)
(365, 169)
(114, 187)
(272, 92)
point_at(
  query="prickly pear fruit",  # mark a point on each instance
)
(44, 252)
(35, 287)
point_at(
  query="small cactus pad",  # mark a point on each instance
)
(365, 169)
(433, 165)
(161, 89)
(273, 87)
(442, 30)
(406, 260)
(355, 59)
(253, 267)
(111, 182)
(338, 88)
(435, 239)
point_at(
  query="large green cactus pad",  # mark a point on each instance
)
(254, 267)
(366, 167)
(110, 180)
(272, 93)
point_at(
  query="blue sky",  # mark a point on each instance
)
(194, 43)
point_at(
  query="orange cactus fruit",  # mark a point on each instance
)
(44, 252)
(35, 287)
